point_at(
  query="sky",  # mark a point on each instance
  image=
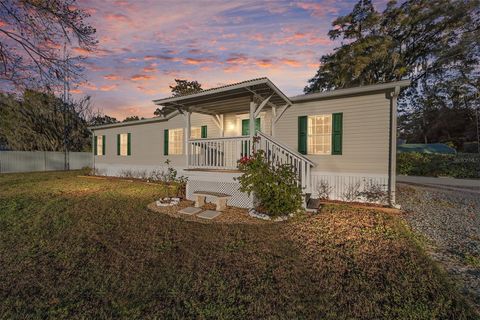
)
(144, 45)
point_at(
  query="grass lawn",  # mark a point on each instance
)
(73, 247)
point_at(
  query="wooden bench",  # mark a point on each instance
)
(220, 199)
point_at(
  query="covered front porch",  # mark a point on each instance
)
(238, 111)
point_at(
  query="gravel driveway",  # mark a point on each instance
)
(450, 221)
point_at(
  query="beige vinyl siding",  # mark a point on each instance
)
(233, 122)
(365, 133)
(147, 141)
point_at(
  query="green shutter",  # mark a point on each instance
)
(204, 132)
(165, 142)
(95, 145)
(129, 144)
(245, 127)
(103, 145)
(118, 144)
(257, 125)
(302, 134)
(337, 129)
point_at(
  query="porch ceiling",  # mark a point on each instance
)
(231, 98)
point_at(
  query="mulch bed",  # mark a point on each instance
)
(232, 215)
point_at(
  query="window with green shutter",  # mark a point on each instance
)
(165, 142)
(302, 134)
(337, 132)
(124, 144)
(204, 132)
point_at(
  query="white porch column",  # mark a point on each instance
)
(187, 115)
(274, 115)
(253, 107)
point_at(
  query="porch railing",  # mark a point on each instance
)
(224, 153)
(218, 153)
(278, 153)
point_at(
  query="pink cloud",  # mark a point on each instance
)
(149, 69)
(237, 59)
(138, 77)
(76, 91)
(88, 86)
(196, 61)
(291, 62)
(264, 63)
(111, 77)
(108, 87)
(117, 17)
(318, 9)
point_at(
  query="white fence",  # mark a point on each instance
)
(29, 161)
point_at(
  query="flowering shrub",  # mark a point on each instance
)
(275, 187)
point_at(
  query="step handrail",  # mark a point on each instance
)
(287, 148)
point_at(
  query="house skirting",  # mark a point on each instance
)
(339, 183)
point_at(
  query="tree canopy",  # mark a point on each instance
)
(132, 118)
(39, 121)
(181, 88)
(35, 36)
(432, 42)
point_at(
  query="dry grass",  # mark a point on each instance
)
(231, 215)
(89, 248)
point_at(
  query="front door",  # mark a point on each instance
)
(246, 126)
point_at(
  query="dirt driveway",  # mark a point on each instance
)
(450, 221)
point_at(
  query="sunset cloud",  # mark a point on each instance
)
(117, 17)
(144, 45)
(318, 9)
(138, 77)
(111, 77)
(108, 87)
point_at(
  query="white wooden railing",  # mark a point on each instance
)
(218, 153)
(224, 153)
(278, 153)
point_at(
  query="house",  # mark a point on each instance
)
(341, 138)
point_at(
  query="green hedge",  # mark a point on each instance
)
(461, 165)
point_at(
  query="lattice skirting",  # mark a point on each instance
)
(341, 184)
(238, 199)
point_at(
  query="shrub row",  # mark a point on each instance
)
(461, 165)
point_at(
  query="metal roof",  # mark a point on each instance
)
(367, 89)
(229, 98)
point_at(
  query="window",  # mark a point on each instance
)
(175, 141)
(319, 136)
(196, 133)
(124, 144)
(100, 147)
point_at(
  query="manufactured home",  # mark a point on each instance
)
(343, 139)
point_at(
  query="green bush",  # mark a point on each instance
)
(461, 165)
(275, 187)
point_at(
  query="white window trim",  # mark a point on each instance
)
(123, 144)
(195, 129)
(100, 145)
(328, 135)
